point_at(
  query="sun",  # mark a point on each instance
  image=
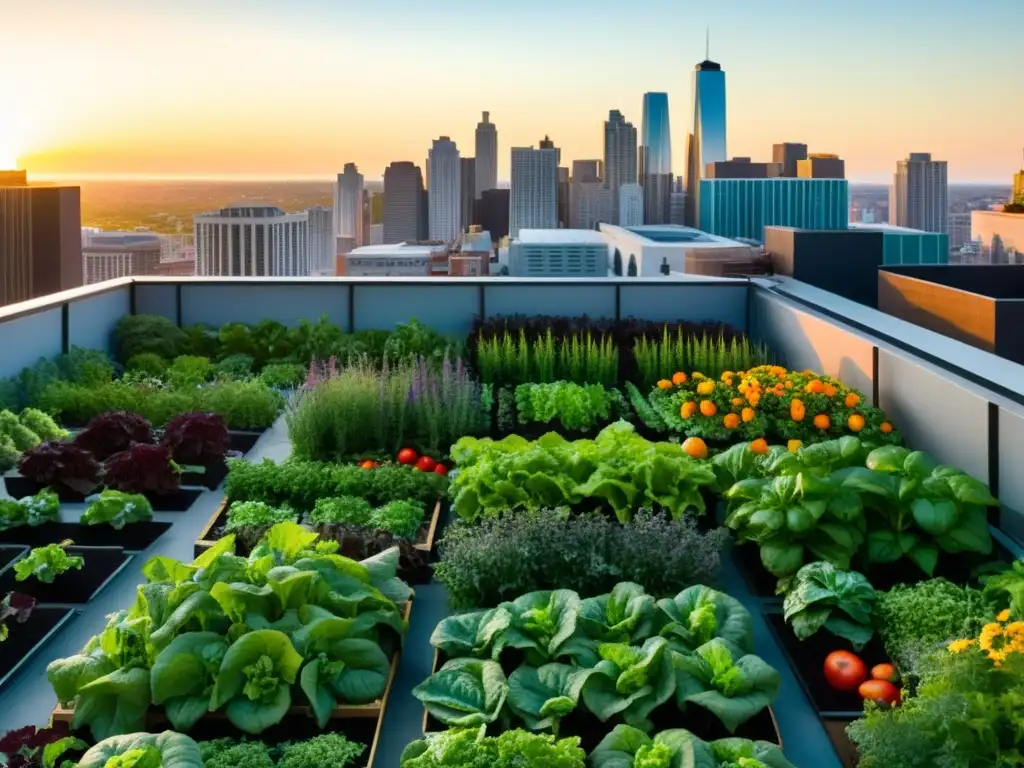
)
(8, 157)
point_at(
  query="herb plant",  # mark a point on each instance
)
(487, 562)
(658, 357)
(401, 518)
(256, 513)
(472, 748)
(45, 564)
(574, 406)
(330, 749)
(189, 371)
(342, 510)
(117, 509)
(824, 597)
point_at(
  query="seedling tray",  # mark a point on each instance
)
(26, 640)
(807, 658)
(176, 501)
(762, 726)
(134, 537)
(7, 556)
(74, 587)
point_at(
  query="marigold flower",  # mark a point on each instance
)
(989, 633)
(1003, 615)
(959, 646)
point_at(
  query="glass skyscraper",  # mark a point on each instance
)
(707, 139)
(744, 207)
(656, 159)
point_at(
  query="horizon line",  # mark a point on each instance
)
(285, 177)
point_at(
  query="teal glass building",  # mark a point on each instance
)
(901, 245)
(744, 207)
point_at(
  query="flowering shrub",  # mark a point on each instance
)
(768, 401)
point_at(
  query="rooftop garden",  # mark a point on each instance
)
(612, 513)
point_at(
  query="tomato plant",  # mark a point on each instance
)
(407, 456)
(880, 691)
(844, 670)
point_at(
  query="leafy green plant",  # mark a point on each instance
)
(644, 410)
(659, 358)
(342, 510)
(618, 468)
(733, 688)
(574, 406)
(237, 366)
(915, 619)
(228, 753)
(9, 454)
(45, 564)
(117, 509)
(189, 371)
(20, 435)
(699, 614)
(243, 514)
(628, 747)
(472, 748)
(144, 750)
(242, 404)
(508, 359)
(42, 508)
(42, 425)
(1006, 589)
(506, 418)
(148, 364)
(822, 596)
(140, 334)
(283, 375)
(488, 561)
(402, 518)
(330, 749)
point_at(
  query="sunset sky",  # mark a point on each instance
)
(299, 87)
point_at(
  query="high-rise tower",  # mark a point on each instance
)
(444, 187)
(348, 204)
(619, 156)
(534, 197)
(404, 219)
(656, 159)
(919, 198)
(707, 137)
(486, 156)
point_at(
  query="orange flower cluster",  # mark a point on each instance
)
(998, 639)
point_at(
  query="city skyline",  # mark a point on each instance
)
(220, 107)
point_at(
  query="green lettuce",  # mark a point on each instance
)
(823, 596)
(699, 614)
(144, 750)
(627, 747)
(465, 693)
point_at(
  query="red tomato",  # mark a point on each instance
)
(425, 464)
(369, 464)
(885, 672)
(440, 469)
(844, 671)
(407, 456)
(881, 691)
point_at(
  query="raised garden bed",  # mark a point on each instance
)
(243, 440)
(132, 538)
(8, 555)
(957, 568)
(25, 640)
(75, 587)
(178, 501)
(807, 658)
(762, 726)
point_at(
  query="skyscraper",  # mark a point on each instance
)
(320, 241)
(444, 186)
(467, 169)
(534, 196)
(40, 239)
(348, 204)
(619, 155)
(486, 156)
(547, 143)
(631, 205)
(919, 198)
(251, 241)
(788, 155)
(656, 159)
(404, 219)
(707, 137)
(562, 184)
(583, 172)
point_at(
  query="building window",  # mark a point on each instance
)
(631, 272)
(617, 265)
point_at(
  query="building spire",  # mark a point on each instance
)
(707, 43)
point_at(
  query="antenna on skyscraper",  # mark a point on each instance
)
(707, 43)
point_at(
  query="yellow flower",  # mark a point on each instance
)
(1003, 616)
(989, 633)
(998, 657)
(959, 646)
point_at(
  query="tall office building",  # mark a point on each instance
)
(620, 160)
(40, 239)
(631, 205)
(467, 191)
(251, 241)
(656, 159)
(707, 137)
(492, 212)
(320, 240)
(583, 172)
(404, 203)
(919, 198)
(788, 155)
(444, 187)
(486, 156)
(109, 255)
(534, 195)
(547, 143)
(348, 204)
(959, 230)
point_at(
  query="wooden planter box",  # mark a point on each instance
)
(365, 718)
(425, 540)
(762, 726)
